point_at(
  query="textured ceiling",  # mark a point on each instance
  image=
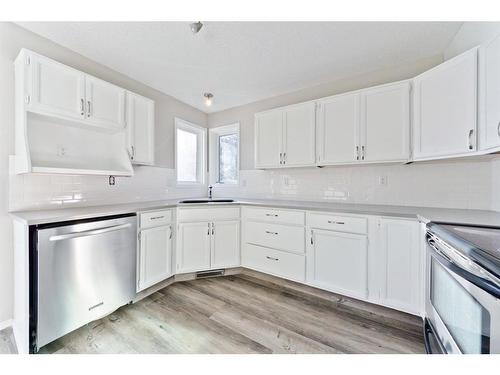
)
(242, 62)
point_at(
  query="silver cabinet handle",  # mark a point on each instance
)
(171, 231)
(208, 232)
(269, 232)
(284, 158)
(362, 152)
(213, 229)
(157, 217)
(86, 233)
(357, 152)
(271, 258)
(273, 215)
(281, 158)
(471, 133)
(82, 107)
(89, 110)
(133, 152)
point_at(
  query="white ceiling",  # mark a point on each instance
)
(242, 62)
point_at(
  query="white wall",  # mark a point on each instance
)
(49, 191)
(470, 35)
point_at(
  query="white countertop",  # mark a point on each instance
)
(424, 214)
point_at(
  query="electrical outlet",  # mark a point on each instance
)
(382, 180)
(61, 151)
(111, 180)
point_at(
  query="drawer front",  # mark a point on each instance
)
(349, 224)
(275, 262)
(208, 214)
(273, 215)
(277, 236)
(155, 218)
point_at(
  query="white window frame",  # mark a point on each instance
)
(201, 167)
(214, 134)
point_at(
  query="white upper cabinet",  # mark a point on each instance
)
(140, 128)
(285, 137)
(299, 135)
(105, 103)
(489, 115)
(385, 123)
(445, 109)
(54, 88)
(268, 139)
(338, 129)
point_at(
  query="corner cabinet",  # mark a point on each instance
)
(208, 238)
(140, 122)
(489, 95)
(445, 109)
(285, 137)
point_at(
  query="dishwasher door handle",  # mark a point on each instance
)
(86, 233)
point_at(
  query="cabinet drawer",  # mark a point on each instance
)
(273, 215)
(277, 236)
(155, 218)
(275, 262)
(208, 214)
(350, 224)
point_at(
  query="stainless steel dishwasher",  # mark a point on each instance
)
(85, 271)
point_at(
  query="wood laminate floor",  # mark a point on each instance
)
(245, 314)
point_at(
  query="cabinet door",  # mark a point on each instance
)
(338, 262)
(193, 247)
(140, 128)
(105, 103)
(338, 129)
(445, 108)
(56, 89)
(268, 139)
(401, 279)
(489, 58)
(155, 256)
(385, 123)
(299, 135)
(225, 244)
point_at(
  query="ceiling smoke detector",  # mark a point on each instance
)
(196, 27)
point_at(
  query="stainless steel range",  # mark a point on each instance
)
(463, 289)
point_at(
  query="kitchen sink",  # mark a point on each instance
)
(208, 201)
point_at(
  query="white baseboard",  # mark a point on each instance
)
(5, 324)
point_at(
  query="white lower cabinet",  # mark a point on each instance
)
(225, 244)
(275, 262)
(210, 243)
(338, 262)
(193, 247)
(155, 256)
(400, 268)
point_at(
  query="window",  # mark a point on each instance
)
(189, 152)
(225, 155)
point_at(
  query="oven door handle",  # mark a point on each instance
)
(428, 333)
(482, 283)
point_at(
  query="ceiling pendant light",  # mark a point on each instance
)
(195, 27)
(208, 99)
